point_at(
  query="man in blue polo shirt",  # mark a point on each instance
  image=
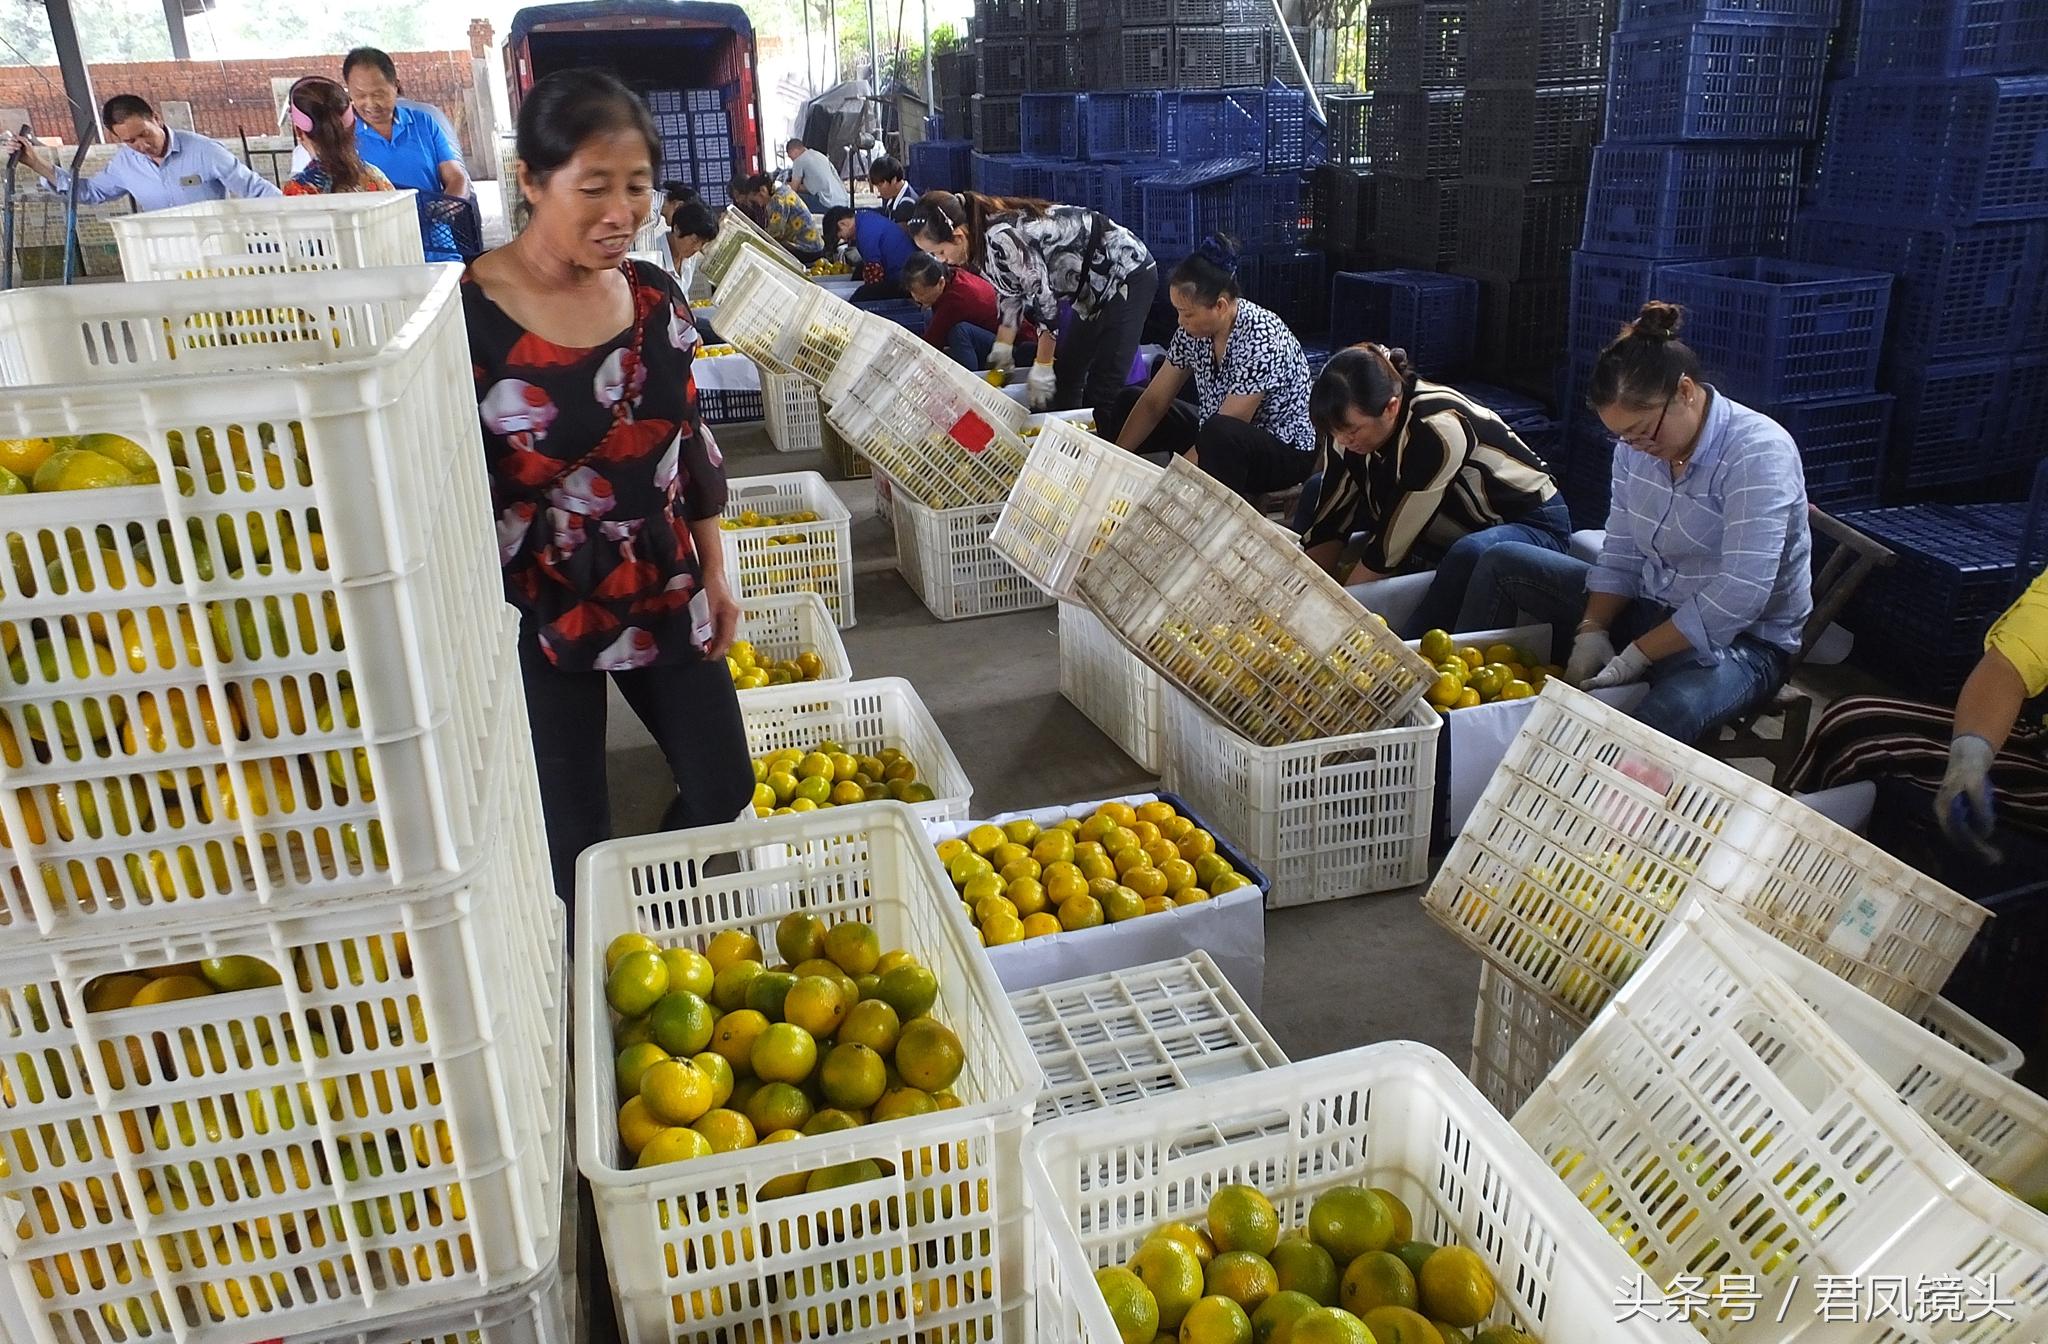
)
(405, 140)
(157, 166)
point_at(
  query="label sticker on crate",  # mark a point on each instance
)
(1321, 622)
(1865, 917)
(972, 432)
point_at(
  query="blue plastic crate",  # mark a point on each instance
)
(1009, 175)
(1049, 125)
(941, 165)
(1958, 291)
(1418, 133)
(1796, 13)
(1073, 182)
(1950, 577)
(1129, 125)
(1434, 317)
(996, 129)
(1286, 139)
(1774, 331)
(1267, 210)
(1715, 81)
(1691, 202)
(1288, 282)
(1842, 442)
(1538, 42)
(1517, 410)
(1205, 126)
(1415, 220)
(2022, 441)
(902, 312)
(1522, 133)
(1586, 476)
(1948, 37)
(1947, 414)
(1121, 196)
(1185, 205)
(1606, 294)
(1946, 151)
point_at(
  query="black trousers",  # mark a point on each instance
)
(1094, 360)
(693, 713)
(1247, 459)
(886, 288)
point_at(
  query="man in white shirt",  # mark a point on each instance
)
(815, 179)
(157, 166)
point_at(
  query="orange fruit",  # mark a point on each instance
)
(853, 947)
(1158, 905)
(768, 992)
(871, 1023)
(719, 1070)
(1276, 1316)
(1414, 1253)
(1243, 1277)
(928, 1055)
(1196, 843)
(676, 1091)
(1196, 1239)
(1148, 881)
(1041, 925)
(800, 936)
(1377, 1279)
(1216, 1320)
(1027, 896)
(910, 989)
(1123, 814)
(854, 1076)
(1303, 1267)
(899, 1102)
(1095, 866)
(784, 1053)
(1456, 1286)
(733, 945)
(1054, 847)
(818, 1005)
(624, 943)
(1348, 1221)
(1328, 1325)
(778, 1106)
(1121, 904)
(688, 970)
(1126, 861)
(832, 1121)
(1394, 1325)
(1173, 1272)
(673, 1145)
(726, 1131)
(1081, 912)
(1131, 1305)
(735, 1039)
(681, 1023)
(1404, 1221)
(633, 1063)
(1242, 1219)
(729, 988)
(637, 983)
(1063, 881)
(637, 1125)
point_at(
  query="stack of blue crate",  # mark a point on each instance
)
(696, 139)
(1932, 169)
(941, 165)
(1709, 106)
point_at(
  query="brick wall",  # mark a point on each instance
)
(231, 96)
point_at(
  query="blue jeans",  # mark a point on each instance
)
(1687, 700)
(969, 345)
(1548, 526)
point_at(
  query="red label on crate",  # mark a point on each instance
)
(972, 432)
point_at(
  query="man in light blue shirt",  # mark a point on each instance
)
(1705, 578)
(157, 167)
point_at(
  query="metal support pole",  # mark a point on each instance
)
(810, 54)
(174, 19)
(874, 62)
(77, 80)
(1301, 67)
(931, 96)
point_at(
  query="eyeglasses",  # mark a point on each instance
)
(1656, 429)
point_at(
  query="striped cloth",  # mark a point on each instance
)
(1725, 547)
(1877, 738)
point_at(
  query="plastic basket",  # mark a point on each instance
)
(1228, 608)
(1715, 81)
(1327, 819)
(846, 463)
(531, 1314)
(1782, 330)
(1205, 126)
(694, 1248)
(1106, 1040)
(1057, 63)
(326, 595)
(865, 717)
(1347, 117)
(1778, 1156)
(1511, 230)
(1396, 1116)
(1110, 684)
(1569, 46)
(738, 236)
(782, 322)
(1842, 442)
(777, 558)
(789, 404)
(1126, 125)
(1146, 57)
(782, 627)
(1005, 65)
(1951, 576)
(1686, 202)
(1947, 37)
(1940, 151)
(941, 165)
(1944, 428)
(1607, 293)
(269, 235)
(1073, 491)
(1792, 13)
(996, 124)
(1415, 221)
(378, 1134)
(1266, 209)
(1430, 315)
(1183, 206)
(1521, 133)
(1417, 133)
(1050, 124)
(1958, 291)
(1393, 45)
(949, 561)
(1595, 831)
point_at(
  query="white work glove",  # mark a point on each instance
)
(1625, 667)
(1038, 388)
(1591, 651)
(1002, 356)
(1963, 806)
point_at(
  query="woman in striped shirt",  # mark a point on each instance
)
(1426, 474)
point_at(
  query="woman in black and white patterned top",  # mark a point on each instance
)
(1249, 427)
(1036, 254)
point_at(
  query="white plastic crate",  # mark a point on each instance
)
(946, 558)
(939, 1238)
(1720, 1127)
(271, 234)
(791, 557)
(782, 627)
(1595, 830)
(885, 354)
(863, 717)
(1231, 612)
(379, 1134)
(1111, 685)
(784, 323)
(1327, 819)
(1071, 495)
(1394, 1116)
(885, 502)
(839, 454)
(789, 406)
(1973, 1038)
(1231, 927)
(739, 235)
(531, 1314)
(1105, 1040)
(330, 585)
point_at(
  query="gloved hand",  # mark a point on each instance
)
(1003, 356)
(1038, 388)
(1625, 667)
(1591, 651)
(1963, 806)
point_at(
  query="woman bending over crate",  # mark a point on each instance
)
(1249, 427)
(607, 487)
(1425, 476)
(960, 310)
(1037, 254)
(1963, 758)
(1704, 582)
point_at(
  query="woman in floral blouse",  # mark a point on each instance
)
(1037, 254)
(607, 487)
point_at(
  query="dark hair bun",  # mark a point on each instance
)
(1658, 320)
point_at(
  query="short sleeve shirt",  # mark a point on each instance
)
(413, 156)
(2021, 634)
(1261, 358)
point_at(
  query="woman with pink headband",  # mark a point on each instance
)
(325, 124)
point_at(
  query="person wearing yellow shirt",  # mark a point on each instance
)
(1965, 758)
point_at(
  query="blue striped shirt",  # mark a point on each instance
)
(194, 169)
(1726, 547)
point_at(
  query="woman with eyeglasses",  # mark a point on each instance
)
(1704, 583)
(1425, 475)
